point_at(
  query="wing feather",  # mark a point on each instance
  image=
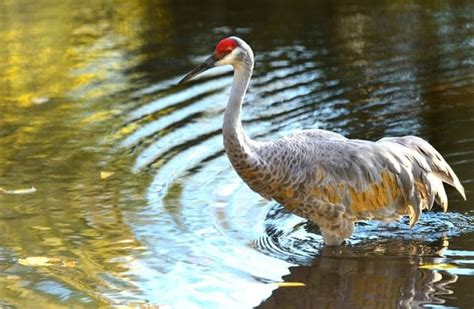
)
(382, 180)
(439, 167)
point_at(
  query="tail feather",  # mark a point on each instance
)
(439, 193)
(431, 188)
(429, 170)
(439, 167)
(452, 180)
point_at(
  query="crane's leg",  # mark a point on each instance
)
(334, 234)
(335, 228)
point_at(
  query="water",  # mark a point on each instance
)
(136, 203)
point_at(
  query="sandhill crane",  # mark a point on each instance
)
(323, 176)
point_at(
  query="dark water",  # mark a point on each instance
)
(136, 204)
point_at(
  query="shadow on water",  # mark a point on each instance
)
(136, 202)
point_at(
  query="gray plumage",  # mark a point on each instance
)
(323, 176)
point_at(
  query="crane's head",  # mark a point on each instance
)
(231, 50)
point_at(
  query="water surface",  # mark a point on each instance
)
(136, 203)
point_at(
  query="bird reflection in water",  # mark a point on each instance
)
(346, 277)
(382, 265)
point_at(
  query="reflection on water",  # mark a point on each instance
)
(353, 282)
(136, 203)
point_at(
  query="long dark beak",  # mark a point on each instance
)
(206, 65)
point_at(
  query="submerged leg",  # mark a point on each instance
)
(335, 233)
(330, 219)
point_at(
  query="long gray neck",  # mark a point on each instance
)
(235, 139)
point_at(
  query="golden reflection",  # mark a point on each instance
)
(58, 58)
(72, 46)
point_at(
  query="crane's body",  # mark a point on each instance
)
(324, 177)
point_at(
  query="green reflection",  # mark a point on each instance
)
(62, 63)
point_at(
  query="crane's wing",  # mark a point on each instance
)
(438, 171)
(382, 180)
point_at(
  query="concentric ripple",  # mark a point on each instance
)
(300, 242)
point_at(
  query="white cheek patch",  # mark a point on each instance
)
(228, 59)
